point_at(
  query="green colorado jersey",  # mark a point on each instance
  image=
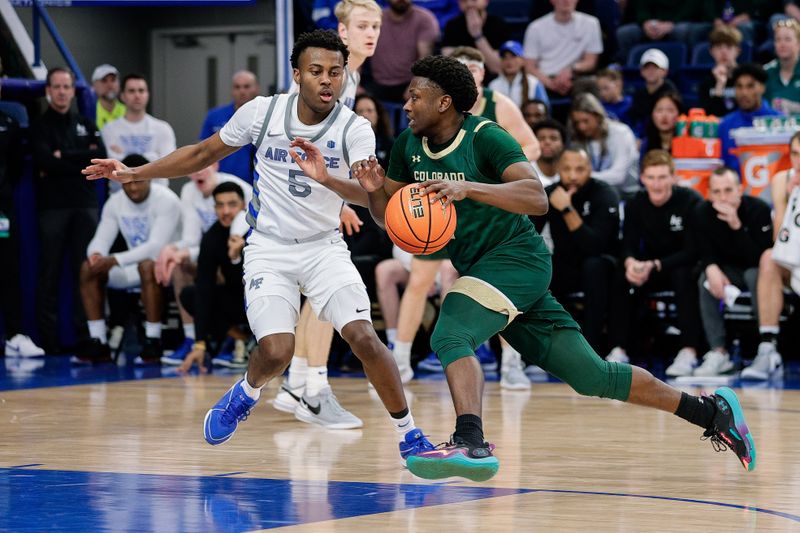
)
(480, 152)
(488, 106)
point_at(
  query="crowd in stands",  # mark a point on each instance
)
(596, 102)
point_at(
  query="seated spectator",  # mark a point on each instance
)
(660, 129)
(657, 255)
(732, 231)
(716, 92)
(177, 262)
(584, 224)
(749, 84)
(663, 20)
(105, 84)
(408, 33)
(534, 111)
(218, 307)
(244, 87)
(654, 68)
(145, 215)
(495, 106)
(773, 278)
(513, 81)
(746, 16)
(477, 28)
(562, 45)
(552, 136)
(371, 109)
(611, 145)
(611, 89)
(782, 90)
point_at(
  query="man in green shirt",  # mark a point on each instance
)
(105, 83)
(505, 271)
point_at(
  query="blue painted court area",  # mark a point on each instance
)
(56, 500)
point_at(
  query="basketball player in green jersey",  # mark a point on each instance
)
(505, 271)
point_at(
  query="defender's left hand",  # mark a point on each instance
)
(451, 191)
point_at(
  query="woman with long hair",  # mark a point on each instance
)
(782, 92)
(371, 109)
(660, 128)
(611, 145)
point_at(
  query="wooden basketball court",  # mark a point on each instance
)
(129, 455)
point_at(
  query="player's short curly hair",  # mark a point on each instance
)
(452, 76)
(325, 39)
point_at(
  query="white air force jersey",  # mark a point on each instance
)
(146, 227)
(198, 214)
(286, 204)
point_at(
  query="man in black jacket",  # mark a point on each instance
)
(657, 254)
(732, 230)
(215, 306)
(584, 224)
(64, 142)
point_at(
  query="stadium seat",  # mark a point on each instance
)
(397, 117)
(701, 54)
(515, 13)
(16, 111)
(676, 52)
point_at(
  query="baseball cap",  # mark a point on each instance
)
(656, 57)
(512, 46)
(104, 70)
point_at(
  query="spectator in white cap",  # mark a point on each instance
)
(513, 81)
(105, 83)
(654, 68)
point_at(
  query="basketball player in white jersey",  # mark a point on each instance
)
(177, 262)
(294, 245)
(146, 216)
(359, 28)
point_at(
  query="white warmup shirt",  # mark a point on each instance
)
(150, 137)
(197, 212)
(286, 204)
(146, 227)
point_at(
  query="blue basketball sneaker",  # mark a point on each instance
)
(414, 443)
(431, 364)
(729, 429)
(486, 357)
(176, 358)
(222, 420)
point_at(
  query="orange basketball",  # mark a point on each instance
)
(416, 225)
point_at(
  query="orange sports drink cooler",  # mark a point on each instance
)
(762, 154)
(696, 149)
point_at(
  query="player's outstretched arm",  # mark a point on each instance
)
(520, 191)
(313, 165)
(182, 162)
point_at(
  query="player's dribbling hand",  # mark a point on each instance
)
(369, 174)
(110, 169)
(451, 191)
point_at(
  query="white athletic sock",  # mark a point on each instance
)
(769, 329)
(252, 392)
(188, 330)
(152, 330)
(391, 335)
(98, 330)
(298, 371)
(511, 358)
(316, 379)
(402, 353)
(404, 425)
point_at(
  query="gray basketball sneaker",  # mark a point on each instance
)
(324, 410)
